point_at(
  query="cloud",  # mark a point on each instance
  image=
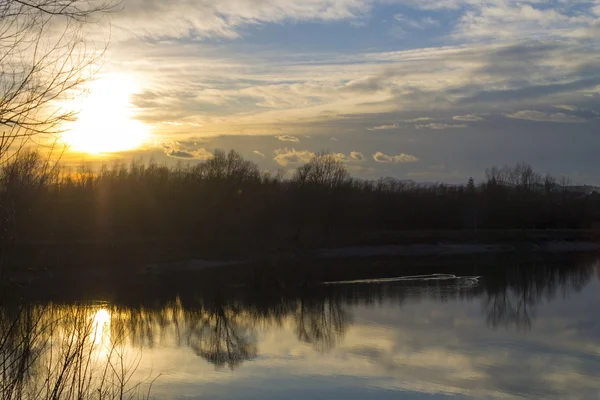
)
(186, 149)
(419, 119)
(405, 24)
(365, 84)
(384, 127)
(399, 159)
(258, 153)
(467, 118)
(500, 19)
(530, 92)
(340, 156)
(288, 138)
(470, 79)
(357, 156)
(173, 123)
(592, 113)
(567, 107)
(198, 154)
(416, 23)
(286, 156)
(354, 156)
(225, 18)
(540, 116)
(439, 126)
(333, 139)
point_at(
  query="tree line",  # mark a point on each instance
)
(227, 202)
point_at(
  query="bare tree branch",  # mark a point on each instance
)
(45, 59)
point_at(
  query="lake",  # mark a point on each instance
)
(528, 327)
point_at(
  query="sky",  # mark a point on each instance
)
(414, 89)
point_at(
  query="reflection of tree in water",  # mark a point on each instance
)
(222, 339)
(220, 327)
(219, 333)
(505, 309)
(20, 346)
(510, 298)
(321, 324)
(218, 324)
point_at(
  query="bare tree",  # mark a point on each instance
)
(44, 59)
(231, 166)
(323, 169)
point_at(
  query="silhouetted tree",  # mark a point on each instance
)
(44, 57)
(471, 185)
(231, 167)
(324, 169)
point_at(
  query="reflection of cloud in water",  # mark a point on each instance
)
(384, 336)
(455, 352)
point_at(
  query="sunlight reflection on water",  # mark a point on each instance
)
(101, 326)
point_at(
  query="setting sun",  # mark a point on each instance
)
(105, 123)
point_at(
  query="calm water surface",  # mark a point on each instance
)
(524, 330)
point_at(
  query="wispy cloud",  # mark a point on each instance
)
(400, 158)
(418, 119)
(258, 153)
(439, 126)
(540, 116)
(288, 138)
(411, 80)
(383, 127)
(567, 107)
(500, 19)
(406, 25)
(187, 149)
(419, 23)
(578, 109)
(225, 18)
(199, 154)
(468, 118)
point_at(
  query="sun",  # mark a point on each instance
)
(105, 122)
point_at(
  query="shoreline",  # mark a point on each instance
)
(157, 257)
(450, 249)
(418, 250)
